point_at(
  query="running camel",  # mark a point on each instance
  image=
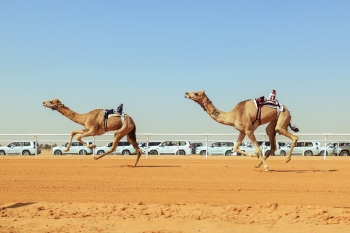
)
(94, 122)
(243, 118)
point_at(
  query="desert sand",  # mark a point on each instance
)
(174, 194)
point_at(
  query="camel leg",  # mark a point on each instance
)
(281, 128)
(126, 128)
(72, 134)
(252, 138)
(89, 133)
(117, 136)
(294, 139)
(238, 143)
(271, 133)
(131, 137)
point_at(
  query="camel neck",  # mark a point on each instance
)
(215, 113)
(76, 117)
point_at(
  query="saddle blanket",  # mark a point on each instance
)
(115, 115)
(262, 101)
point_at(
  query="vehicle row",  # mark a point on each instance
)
(307, 148)
(181, 147)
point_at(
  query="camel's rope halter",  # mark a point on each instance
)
(203, 103)
(57, 107)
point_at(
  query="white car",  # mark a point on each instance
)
(302, 148)
(329, 148)
(20, 147)
(170, 147)
(124, 148)
(265, 147)
(143, 145)
(216, 148)
(75, 148)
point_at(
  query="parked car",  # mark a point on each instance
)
(329, 148)
(264, 145)
(246, 147)
(75, 148)
(195, 145)
(143, 145)
(302, 148)
(216, 148)
(124, 148)
(171, 147)
(343, 149)
(20, 147)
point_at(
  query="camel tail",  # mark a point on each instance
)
(132, 140)
(132, 134)
(294, 128)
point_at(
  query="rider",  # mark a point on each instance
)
(120, 109)
(273, 95)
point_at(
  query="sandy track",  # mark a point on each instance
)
(174, 194)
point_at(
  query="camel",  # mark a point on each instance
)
(94, 125)
(243, 118)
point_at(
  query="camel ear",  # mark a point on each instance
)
(202, 92)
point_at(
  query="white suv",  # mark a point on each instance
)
(75, 148)
(124, 148)
(216, 148)
(143, 145)
(302, 148)
(171, 147)
(20, 147)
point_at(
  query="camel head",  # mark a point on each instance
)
(197, 96)
(53, 104)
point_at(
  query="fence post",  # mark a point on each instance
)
(37, 146)
(325, 148)
(206, 144)
(147, 146)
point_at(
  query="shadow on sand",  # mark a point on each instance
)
(303, 171)
(17, 205)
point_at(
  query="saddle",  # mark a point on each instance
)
(111, 113)
(261, 102)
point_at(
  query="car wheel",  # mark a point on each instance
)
(180, 152)
(202, 152)
(283, 153)
(229, 152)
(153, 152)
(57, 152)
(267, 152)
(2, 152)
(344, 153)
(83, 152)
(322, 153)
(126, 152)
(100, 152)
(308, 153)
(25, 152)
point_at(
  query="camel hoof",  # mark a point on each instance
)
(96, 158)
(257, 166)
(289, 159)
(66, 150)
(266, 168)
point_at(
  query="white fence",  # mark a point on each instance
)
(146, 137)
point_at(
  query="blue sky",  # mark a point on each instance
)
(147, 54)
